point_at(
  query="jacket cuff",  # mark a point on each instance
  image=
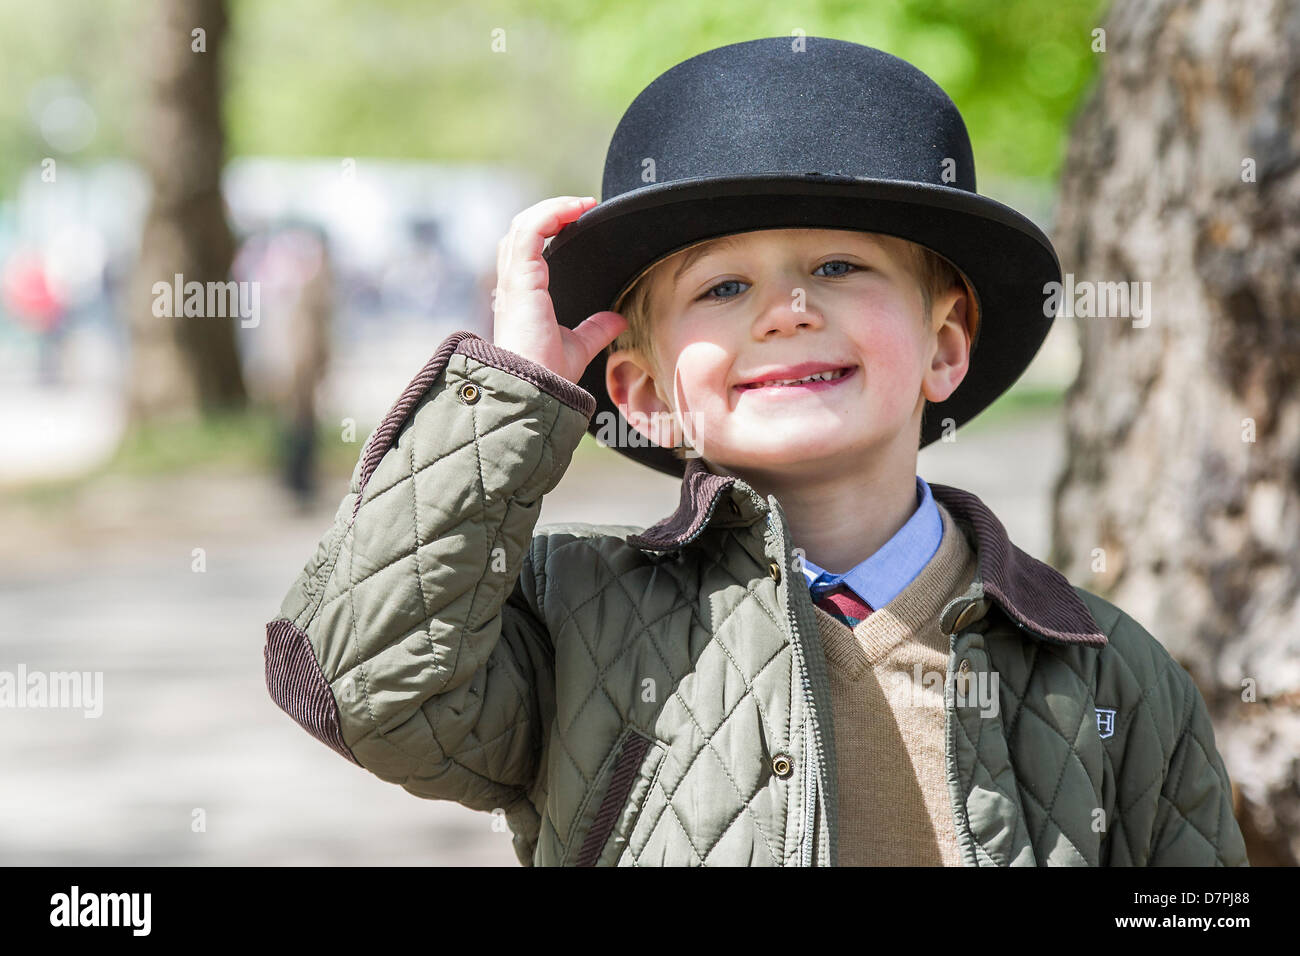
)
(555, 385)
(473, 346)
(298, 686)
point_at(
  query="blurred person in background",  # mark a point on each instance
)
(30, 297)
(309, 337)
(287, 355)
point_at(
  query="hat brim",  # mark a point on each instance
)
(1005, 257)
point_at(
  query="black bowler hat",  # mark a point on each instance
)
(803, 132)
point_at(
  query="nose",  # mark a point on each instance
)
(785, 315)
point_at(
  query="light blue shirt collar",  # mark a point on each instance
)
(882, 577)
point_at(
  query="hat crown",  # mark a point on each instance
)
(792, 105)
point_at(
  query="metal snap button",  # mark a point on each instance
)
(968, 614)
(782, 765)
(774, 569)
(468, 392)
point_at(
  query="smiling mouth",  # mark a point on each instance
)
(818, 382)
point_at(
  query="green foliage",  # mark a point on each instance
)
(409, 79)
(416, 80)
(90, 45)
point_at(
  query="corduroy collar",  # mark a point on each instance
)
(1033, 594)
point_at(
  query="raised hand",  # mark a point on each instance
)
(523, 319)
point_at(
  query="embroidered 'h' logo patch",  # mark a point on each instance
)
(1105, 722)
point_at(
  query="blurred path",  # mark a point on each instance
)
(187, 722)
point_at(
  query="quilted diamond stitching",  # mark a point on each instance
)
(441, 458)
(1049, 808)
(689, 842)
(511, 728)
(360, 663)
(644, 628)
(483, 525)
(1035, 650)
(1071, 752)
(1015, 750)
(993, 780)
(598, 685)
(1049, 820)
(691, 605)
(695, 756)
(730, 533)
(1141, 705)
(350, 589)
(1119, 820)
(1213, 841)
(1072, 747)
(690, 602)
(1186, 733)
(402, 556)
(318, 587)
(744, 798)
(748, 682)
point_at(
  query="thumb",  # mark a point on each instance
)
(598, 331)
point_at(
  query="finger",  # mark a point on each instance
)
(498, 292)
(506, 245)
(532, 228)
(596, 332)
(525, 269)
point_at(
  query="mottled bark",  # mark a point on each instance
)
(1183, 170)
(182, 365)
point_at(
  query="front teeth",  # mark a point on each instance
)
(819, 377)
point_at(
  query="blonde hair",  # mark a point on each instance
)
(934, 274)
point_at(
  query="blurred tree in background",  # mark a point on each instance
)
(1180, 501)
(182, 364)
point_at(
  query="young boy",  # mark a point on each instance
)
(819, 658)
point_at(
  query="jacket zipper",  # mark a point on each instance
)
(812, 741)
(962, 821)
(809, 777)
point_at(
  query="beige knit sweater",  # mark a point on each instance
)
(887, 677)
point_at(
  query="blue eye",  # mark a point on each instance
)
(736, 282)
(835, 262)
(720, 285)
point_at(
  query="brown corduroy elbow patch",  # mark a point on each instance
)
(299, 688)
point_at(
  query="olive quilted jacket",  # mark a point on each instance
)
(629, 696)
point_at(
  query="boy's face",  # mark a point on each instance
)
(751, 305)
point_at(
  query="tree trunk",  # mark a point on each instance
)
(1180, 502)
(183, 365)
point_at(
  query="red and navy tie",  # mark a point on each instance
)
(841, 603)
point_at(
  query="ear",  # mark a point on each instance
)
(950, 358)
(632, 387)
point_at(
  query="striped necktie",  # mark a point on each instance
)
(841, 603)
